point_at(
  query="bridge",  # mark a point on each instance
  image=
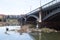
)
(50, 15)
(47, 15)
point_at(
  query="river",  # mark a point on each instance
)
(12, 35)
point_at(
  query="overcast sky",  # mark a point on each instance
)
(18, 7)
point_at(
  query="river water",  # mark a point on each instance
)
(12, 35)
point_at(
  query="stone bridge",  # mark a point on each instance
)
(50, 15)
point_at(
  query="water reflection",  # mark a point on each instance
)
(13, 35)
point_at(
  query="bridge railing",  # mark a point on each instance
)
(44, 6)
(50, 3)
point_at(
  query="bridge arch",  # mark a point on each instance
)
(22, 20)
(32, 16)
(31, 19)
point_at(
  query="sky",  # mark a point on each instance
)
(19, 7)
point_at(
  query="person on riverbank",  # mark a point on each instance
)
(7, 29)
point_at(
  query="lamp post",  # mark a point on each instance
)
(40, 20)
